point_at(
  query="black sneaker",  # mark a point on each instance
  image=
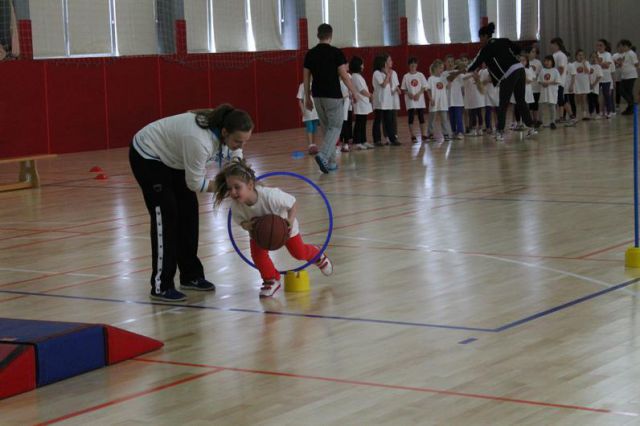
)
(200, 285)
(552, 126)
(171, 295)
(322, 164)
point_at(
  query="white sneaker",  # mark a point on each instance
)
(369, 145)
(361, 146)
(325, 265)
(531, 132)
(499, 136)
(269, 288)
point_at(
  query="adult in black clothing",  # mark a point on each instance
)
(500, 56)
(327, 65)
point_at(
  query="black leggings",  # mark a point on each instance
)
(513, 85)
(594, 103)
(360, 129)
(345, 134)
(475, 117)
(173, 209)
(626, 91)
(412, 111)
(384, 117)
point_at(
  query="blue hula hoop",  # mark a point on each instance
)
(329, 211)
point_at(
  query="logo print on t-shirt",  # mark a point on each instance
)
(414, 83)
(440, 86)
(580, 70)
(547, 77)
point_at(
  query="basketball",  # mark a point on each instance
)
(313, 150)
(270, 231)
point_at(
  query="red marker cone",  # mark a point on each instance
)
(102, 176)
(96, 169)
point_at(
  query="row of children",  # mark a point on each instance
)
(554, 88)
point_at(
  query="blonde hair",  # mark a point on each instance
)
(437, 63)
(237, 168)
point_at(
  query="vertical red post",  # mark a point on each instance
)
(303, 46)
(26, 39)
(181, 37)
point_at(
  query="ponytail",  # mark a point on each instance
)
(224, 116)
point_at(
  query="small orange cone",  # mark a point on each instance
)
(102, 176)
(96, 169)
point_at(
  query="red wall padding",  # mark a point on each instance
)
(133, 97)
(76, 99)
(23, 120)
(71, 105)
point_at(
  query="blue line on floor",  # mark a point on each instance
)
(256, 311)
(566, 305)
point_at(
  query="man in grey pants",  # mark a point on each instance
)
(327, 65)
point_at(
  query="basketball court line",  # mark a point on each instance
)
(358, 383)
(128, 397)
(443, 392)
(497, 329)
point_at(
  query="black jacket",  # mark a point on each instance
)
(499, 54)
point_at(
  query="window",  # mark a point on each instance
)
(86, 28)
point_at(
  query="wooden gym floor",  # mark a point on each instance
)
(475, 283)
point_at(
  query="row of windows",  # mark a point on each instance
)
(69, 28)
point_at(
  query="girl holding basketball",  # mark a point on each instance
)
(250, 202)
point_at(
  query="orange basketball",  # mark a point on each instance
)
(270, 231)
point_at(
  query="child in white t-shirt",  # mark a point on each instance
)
(536, 66)
(396, 91)
(473, 101)
(251, 201)
(581, 84)
(595, 77)
(491, 99)
(628, 64)
(383, 100)
(310, 120)
(438, 99)
(453, 75)
(362, 107)
(530, 76)
(414, 85)
(569, 111)
(346, 134)
(549, 80)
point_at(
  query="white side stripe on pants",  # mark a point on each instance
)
(157, 280)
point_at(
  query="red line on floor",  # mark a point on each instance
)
(593, 253)
(128, 397)
(398, 387)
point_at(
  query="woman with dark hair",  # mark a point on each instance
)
(362, 107)
(168, 159)
(500, 57)
(383, 100)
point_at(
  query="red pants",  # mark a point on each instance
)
(296, 247)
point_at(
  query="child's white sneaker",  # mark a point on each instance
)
(325, 265)
(270, 287)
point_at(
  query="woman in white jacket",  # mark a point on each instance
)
(168, 158)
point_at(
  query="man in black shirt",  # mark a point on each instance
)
(327, 65)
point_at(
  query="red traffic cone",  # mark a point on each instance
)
(96, 169)
(102, 176)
